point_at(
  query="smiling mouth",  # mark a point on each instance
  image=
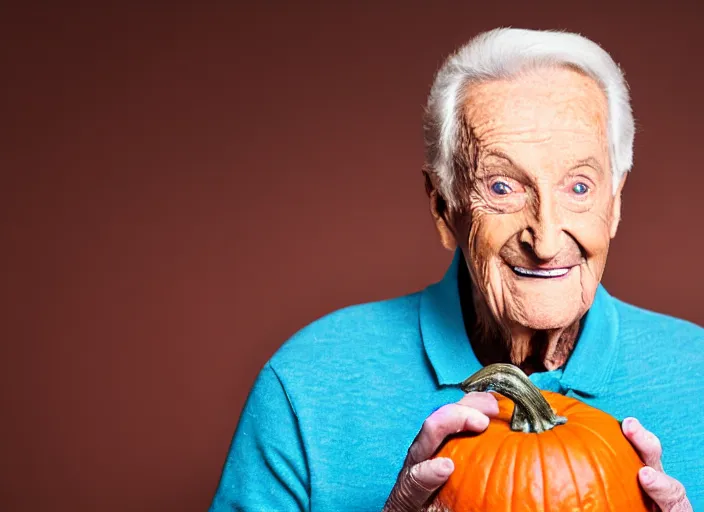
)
(541, 273)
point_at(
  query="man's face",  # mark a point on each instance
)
(542, 208)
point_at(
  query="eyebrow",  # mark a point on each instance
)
(514, 170)
(590, 162)
(500, 154)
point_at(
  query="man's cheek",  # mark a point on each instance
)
(591, 232)
(483, 244)
(494, 230)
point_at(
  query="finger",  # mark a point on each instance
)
(665, 491)
(644, 441)
(449, 419)
(483, 402)
(417, 484)
(431, 474)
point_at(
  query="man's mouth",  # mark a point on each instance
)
(541, 273)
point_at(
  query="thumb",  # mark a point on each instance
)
(431, 474)
(415, 486)
(667, 493)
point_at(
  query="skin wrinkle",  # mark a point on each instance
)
(539, 134)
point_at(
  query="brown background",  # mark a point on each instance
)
(184, 187)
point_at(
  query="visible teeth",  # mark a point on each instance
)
(553, 272)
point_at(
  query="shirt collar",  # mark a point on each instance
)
(447, 346)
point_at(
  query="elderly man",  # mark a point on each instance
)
(529, 138)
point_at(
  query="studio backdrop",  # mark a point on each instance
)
(185, 186)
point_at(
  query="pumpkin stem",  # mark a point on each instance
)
(531, 413)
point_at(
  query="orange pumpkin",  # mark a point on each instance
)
(544, 452)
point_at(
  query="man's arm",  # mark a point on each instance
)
(266, 466)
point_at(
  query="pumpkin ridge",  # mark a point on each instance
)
(462, 474)
(516, 444)
(569, 465)
(615, 459)
(597, 434)
(599, 473)
(570, 406)
(491, 472)
(465, 467)
(542, 471)
(515, 470)
(480, 449)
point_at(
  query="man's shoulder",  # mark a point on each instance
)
(353, 332)
(645, 324)
(635, 317)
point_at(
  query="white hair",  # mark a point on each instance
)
(500, 54)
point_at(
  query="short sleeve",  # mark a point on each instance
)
(266, 468)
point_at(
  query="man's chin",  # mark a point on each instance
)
(545, 312)
(547, 320)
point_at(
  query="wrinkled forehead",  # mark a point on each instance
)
(537, 102)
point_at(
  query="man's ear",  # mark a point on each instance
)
(441, 214)
(616, 208)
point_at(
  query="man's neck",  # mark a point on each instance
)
(531, 350)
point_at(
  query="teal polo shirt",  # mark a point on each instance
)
(330, 417)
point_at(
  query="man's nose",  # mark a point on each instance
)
(543, 232)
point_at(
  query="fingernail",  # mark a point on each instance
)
(629, 425)
(647, 475)
(445, 468)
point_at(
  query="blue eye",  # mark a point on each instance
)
(580, 189)
(500, 188)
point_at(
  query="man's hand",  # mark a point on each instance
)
(665, 491)
(420, 475)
